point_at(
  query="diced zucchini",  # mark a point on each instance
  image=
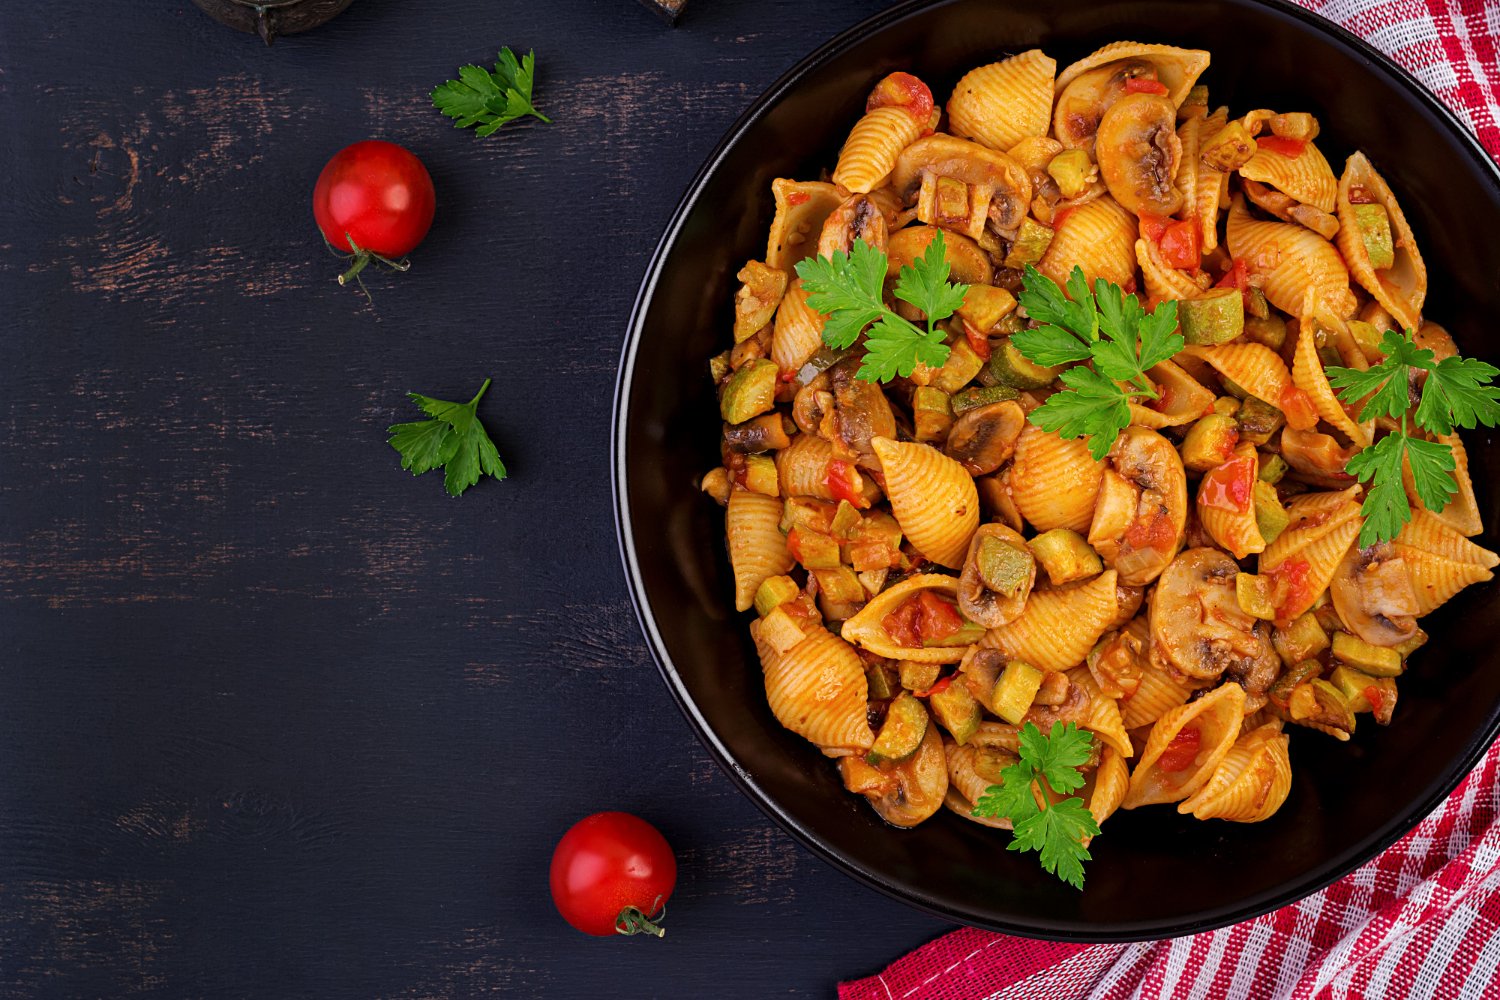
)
(1303, 639)
(960, 368)
(1011, 367)
(1368, 337)
(1294, 125)
(813, 549)
(1256, 304)
(845, 521)
(975, 396)
(1411, 644)
(1329, 356)
(839, 584)
(932, 414)
(1259, 420)
(749, 392)
(1270, 331)
(1327, 614)
(1003, 567)
(1254, 596)
(1272, 468)
(760, 475)
(773, 592)
(873, 580)
(901, 735)
(1032, 241)
(985, 305)
(957, 710)
(1210, 442)
(1270, 516)
(1297, 674)
(1321, 704)
(1071, 169)
(1378, 661)
(1229, 148)
(1227, 405)
(1358, 688)
(1015, 691)
(967, 635)
(882, 681)
(780, 630)
(807, 512)
(719, 367)
(1375, 232)
(918, 676)
(1234, 389)
(1065, 555)
(1217, 317)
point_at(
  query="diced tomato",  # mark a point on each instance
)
(1180, 245)
(842, 482)
(1057, 220)
(1298, 406)
(1182, 751)
(1290, 588)
(1375, 697)
(794, 543)
(790, 375)
(903, 624)
(902, 90)
(1228, 486)
(1154, 227)
(1145, 85)
(939, 618)
(941, 686)
(1166, 395)
(1129, 288)
(797, 198)
(1290, 148)
(1238, 276)
(977, 340)
(1154, 532)
(872, 555)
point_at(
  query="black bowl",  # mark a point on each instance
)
(1154, 873)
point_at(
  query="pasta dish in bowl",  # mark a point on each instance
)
(1087, 439)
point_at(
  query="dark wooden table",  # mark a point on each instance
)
(277, 719)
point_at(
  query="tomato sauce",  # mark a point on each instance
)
(1228, 486)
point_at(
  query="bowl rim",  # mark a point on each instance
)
(1312, 881)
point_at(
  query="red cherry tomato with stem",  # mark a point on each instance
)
(374, 200)
(612, 873)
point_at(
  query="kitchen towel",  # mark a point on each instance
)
(1421, 920)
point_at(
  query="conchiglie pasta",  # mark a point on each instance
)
(872, 147)
(1306, 554)
(1231, 524)
(1290, 259)
(1099, 237)
(866, 628)
(1107, 786)
(798, 330)
(1059, 626)
(1202, 185)
(1259, 371)
(817, 689)
(1177, 69)
(1157, 694)
(1309, 376)
(1162, 283)
(1250, 783)
(1462, 512)
(1002, 103)
(1183, 399)
(1103, 719)
(757, 548)
(1054, 481)
(801, 209)
(1307, 177)
(1401, 288)
(1216, 720)
(1440, 561)
(961, 773)
(933, 498)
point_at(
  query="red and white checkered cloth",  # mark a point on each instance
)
(1421, 920)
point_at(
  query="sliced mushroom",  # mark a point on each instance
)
(860, 412)
(811, 403)
(1141, 513)
(908, 793)
(1317, 458)
(857, 218)
(1373, 595)
(1289, 209)
(1083, 102)
(967, 263)
(999, 572)
(992, 179)
(1139, 153)
(985, 437)
(1199, 629)
(1075, 707)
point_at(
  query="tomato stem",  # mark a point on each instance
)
(632, 921)
(360, 260)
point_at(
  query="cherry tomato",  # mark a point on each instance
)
(902, 90)
(374, 199)
(612, 873)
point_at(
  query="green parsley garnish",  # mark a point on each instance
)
(1456, 393)
(1048, 764)
(454, 439)
(849, 288)
(1106, 327)
(490, 99)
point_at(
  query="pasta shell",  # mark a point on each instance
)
(1202, 186)
(933, 498)
(1099, 237)
(1462, 512)
(1002, 103)
(1250, 783)
(961, 773)
(1107, 786)
(1402, 287)
(1217, 717)
(757, 548)
(1159, 693)
(1259, 371)
(866, 628)
(1440, 561)
(1309, 376)
(1059, 626)
(1306, 177)
(801, 209)
(1054, 481)
(1162, 283)
(1235, 531)
(1183, 399)
(957, 803)
(1178, 69)
(870, 152)
(1291, 259)
(1323, 526)
(798, 332)
(817, 689)
(1104, 719)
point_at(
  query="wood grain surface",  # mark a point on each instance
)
(277, 719)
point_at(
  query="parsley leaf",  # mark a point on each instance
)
(1456, 395)
(1051, 345)
(1096, 408)
(453, 439)
(1385, 508)
(1432, 464)
(849, 289)
(1047, 763)
(490, 99)
(1388, 383)
(1045, 302)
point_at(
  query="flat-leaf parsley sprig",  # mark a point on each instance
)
(453, 440)
(488, 98)
(849, 288)
(1047, 764)
(1106, 327)
(1456, 393)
